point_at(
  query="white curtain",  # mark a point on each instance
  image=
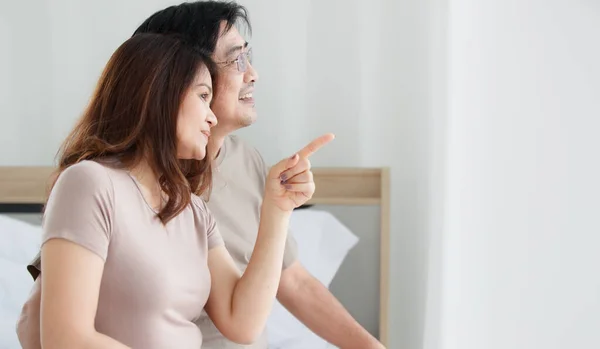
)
(513, 258)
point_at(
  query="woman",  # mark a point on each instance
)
(130, 256)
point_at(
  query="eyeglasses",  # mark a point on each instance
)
(242, 60)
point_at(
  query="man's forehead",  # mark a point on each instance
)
(230, 41)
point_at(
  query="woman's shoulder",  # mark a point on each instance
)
(86, 166)
(87, 175)
(199, 204)
(209, 224)
(201, 210)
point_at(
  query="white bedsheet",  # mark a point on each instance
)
(19, 242)
(323, 244)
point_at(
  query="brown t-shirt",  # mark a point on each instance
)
(238, 188)
(156, 279)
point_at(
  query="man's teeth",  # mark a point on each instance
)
(247, 95)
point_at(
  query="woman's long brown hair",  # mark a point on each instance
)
(132, 116)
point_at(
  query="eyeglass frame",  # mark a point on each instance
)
(245, 57)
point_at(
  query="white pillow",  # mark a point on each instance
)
(20, 240)
(323, 244)
(20, 243)
(15, 287)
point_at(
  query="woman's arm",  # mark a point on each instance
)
(240, 306)
(70, 289)
(77, 229)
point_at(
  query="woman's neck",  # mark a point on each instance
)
(148, 181)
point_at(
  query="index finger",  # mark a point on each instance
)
(315, 145)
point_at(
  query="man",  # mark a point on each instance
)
(240, 173)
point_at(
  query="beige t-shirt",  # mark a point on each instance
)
(156, 279)
(238, 188)
(237, 194)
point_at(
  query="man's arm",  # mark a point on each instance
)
(311, 302)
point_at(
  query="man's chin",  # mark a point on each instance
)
(248, 119)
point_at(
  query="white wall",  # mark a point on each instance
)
(520, 250)
(52, 53)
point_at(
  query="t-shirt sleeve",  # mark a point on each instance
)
(213, 236)
(290, 254)
(80, 208)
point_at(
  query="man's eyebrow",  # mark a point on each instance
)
(236, 48)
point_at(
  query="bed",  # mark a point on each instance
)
(324, 243)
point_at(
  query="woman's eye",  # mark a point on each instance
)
(205, 96)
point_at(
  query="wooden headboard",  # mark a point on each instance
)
(22, 186)
(362, 186)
